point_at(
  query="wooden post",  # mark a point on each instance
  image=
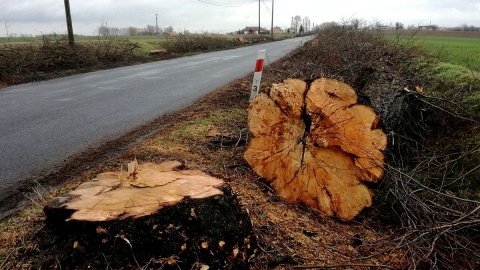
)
(257, 76)
(271, 31)
(259, 17)
(71, 39)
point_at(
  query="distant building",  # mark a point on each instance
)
(252, 30)
(277, 30)
(290, 30)
(383, 27)
(427, 27)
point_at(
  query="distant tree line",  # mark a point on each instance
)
(300, 25)
(355, 24)
(465, 27)
(133, 31)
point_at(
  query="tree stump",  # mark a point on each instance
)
(152, 214)
(316, 145)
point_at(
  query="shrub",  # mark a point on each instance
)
(54, 58)
(199, 43)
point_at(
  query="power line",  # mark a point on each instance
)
(268, 9)
(224, 4)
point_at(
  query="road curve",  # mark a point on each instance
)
(44, 123)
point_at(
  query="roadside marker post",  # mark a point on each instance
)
(257, 76)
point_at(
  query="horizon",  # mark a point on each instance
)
(38, 17)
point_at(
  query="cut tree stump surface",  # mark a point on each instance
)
(141, 191)
(152, 214)
(316, 145)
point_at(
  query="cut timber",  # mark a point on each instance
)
(151, 214)
(316, 145)
(142, 190)
(158, 51)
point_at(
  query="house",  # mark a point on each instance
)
(427, 27)
(290, 30)
(252, 30)
(277, 30)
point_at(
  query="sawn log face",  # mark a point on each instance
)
(164, 217)
(316, 145)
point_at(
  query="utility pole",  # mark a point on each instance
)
(71, 39)
(271, 31)
(156, 24)
(291, 27)
(259, 17)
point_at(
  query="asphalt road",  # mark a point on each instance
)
(44, 123)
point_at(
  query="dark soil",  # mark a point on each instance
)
(213, 231)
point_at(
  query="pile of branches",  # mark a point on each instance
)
(199, 43)
(21, 63)
(431, 173)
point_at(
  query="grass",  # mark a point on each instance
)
(458, 51)
(26, 59)
(146, 43)
(199, 128)
(454, 50)
(455, 72)
(458, 62)
(79, 38)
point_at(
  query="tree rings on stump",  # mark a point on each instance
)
(316, 145)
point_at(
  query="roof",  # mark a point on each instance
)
(253, 29)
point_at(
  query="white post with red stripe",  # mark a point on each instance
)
(257, 76)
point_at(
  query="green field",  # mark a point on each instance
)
(459, 57)
(454, 50)
(458, 60)
(147, 43)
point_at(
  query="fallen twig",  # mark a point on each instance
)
(342, 265)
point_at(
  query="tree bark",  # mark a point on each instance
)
(316, 145)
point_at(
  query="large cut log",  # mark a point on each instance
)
(316, 145)
(152, 214)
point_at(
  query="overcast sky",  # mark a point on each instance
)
(47, 16)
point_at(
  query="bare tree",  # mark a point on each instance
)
(306, 24)
(412, 27)
(151, 29)
(327, 25)
(296, 21)
(355, 23)
(103, 30)
(168, 29)
(7, 25)
(132, 31)
(114, 31)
